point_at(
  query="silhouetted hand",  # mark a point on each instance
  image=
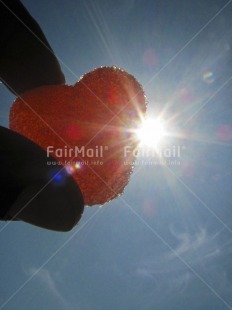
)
(30, 190)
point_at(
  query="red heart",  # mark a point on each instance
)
(98, 113)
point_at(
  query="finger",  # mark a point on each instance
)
(26, 58)
(33, 191)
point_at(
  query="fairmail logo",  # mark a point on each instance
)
(66, 152)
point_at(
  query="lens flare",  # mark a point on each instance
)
(208, 77)
(69, 169)
(151, 133)
(77, 165)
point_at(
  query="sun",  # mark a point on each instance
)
(151, 132)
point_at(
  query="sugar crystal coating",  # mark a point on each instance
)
(95, 118)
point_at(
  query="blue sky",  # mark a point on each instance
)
(166, 243)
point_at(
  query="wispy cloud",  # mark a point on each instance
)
(45, 276)
(202, 250)
(201, 243)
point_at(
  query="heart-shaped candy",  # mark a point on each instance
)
(87, 127)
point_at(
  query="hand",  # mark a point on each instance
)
(30, 189)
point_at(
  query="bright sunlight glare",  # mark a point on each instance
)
(151, 132)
